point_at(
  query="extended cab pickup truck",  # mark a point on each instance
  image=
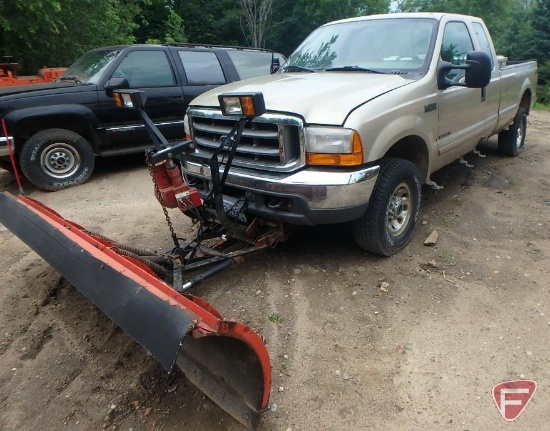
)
(58, 128)
(359, 117)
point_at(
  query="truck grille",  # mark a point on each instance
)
(270, 142)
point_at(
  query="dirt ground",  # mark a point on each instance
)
(411, 342)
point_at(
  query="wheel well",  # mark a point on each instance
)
(26, 128)
(414, 149)
(526, 101)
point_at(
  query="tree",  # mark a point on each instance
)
(159, 22)
(294, 20)
(257, 16)
(56, 32)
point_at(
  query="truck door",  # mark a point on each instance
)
(493, 90)
(461, 110)
(150, 71)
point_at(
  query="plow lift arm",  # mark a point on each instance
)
(143, 292)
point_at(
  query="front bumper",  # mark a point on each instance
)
(308, 197)
(4, 147)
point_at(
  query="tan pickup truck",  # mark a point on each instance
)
(359, 117)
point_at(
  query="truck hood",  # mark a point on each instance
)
(320, 98)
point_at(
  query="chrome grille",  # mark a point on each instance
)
(269, 142)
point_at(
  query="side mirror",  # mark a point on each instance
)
(116, 84)
(477, 71)
(275, 64)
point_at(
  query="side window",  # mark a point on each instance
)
(202, 68)
(250, 64)
(483, 40)
(146, 69)
(457, 43)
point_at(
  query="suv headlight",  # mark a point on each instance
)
(333, 146)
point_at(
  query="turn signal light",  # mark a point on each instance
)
(327, 159)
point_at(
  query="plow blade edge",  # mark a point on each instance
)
(226, 360)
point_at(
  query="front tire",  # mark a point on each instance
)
(394, 206)
(512, 141)
(54, 159)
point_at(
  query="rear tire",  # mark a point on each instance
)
(54, 159)
(512, 141)
(394, 206)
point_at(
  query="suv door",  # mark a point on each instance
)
(149, 70)
(203, 71)
(461, 113)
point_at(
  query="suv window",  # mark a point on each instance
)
(457, 43)
(146, 69)
(202, 68)
(250, 64)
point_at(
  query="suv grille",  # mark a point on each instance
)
(270, 142)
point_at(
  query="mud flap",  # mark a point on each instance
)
(227, 360)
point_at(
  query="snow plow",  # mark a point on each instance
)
(8, 75)
(146, 293)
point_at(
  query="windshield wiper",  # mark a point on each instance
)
(70, 78)
(296, 68)
(352, 69)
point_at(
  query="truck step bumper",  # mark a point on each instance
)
(312, 196)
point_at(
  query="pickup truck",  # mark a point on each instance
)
(359, 117)
(59, 128)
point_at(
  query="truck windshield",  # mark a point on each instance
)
(390, 45)
(89, 68)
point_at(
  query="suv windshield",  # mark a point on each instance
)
(89, 68)
(390, 45)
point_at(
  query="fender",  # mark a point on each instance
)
(17, 120)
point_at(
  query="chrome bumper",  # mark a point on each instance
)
(3, 146)
(321, 189)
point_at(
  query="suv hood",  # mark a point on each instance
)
(320, 98)
(41, 89)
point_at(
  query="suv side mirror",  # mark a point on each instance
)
(116, 84)
(275, 64)
(478, 71)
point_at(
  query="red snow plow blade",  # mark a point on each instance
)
(226, 360)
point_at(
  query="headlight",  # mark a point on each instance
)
(333, 146)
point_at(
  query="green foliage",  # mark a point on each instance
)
(56, 32)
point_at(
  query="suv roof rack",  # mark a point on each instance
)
(207, 45)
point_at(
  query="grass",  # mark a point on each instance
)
(541, 107)
(447, 257)
(276, 317)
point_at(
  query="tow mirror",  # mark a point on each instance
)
(477, 72)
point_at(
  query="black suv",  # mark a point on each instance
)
(59, 128)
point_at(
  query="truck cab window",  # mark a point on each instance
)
(202, 68)
(146, 69)
(483, 40)
(457, 43)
